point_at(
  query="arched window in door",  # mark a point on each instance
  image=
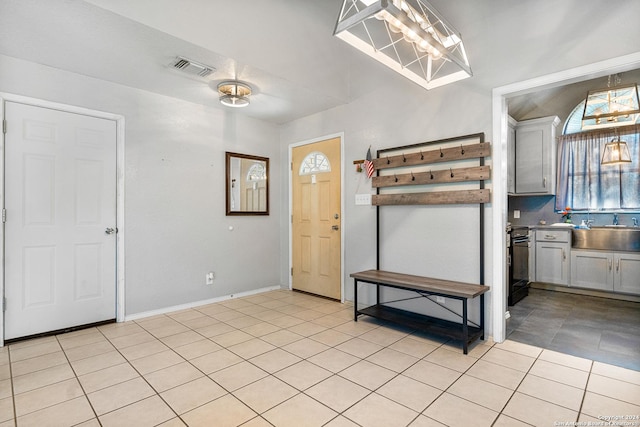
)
(314, 162)
(257, 172)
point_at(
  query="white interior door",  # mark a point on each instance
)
(60, 201)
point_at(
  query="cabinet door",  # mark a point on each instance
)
(535, 156)
(591, 269)
(552, 263)
(627, 273)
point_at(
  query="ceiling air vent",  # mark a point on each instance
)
(191, 67)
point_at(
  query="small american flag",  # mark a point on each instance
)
(368, 164)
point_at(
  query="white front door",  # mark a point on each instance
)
(60, 201)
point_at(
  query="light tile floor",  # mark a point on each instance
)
(288, 359)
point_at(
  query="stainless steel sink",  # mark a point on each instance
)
(617, 238)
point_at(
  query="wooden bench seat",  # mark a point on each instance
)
(424, 286)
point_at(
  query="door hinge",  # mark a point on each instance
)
(291, 165)
(4, 304)
(291, 219)
(4, 215)
(292, 271)
(4, 126)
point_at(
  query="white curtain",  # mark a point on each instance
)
(584, 184)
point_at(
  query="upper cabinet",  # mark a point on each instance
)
(534, 150)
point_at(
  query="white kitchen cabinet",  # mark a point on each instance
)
(607, 271)
(535, 156)
(553, 248)
(592, 269)
(626, 272)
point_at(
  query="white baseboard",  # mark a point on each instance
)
(165, 310)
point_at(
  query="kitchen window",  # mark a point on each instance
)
(584, 184)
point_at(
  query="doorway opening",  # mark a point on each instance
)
(500, 132)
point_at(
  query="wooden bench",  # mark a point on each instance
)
(424, 286)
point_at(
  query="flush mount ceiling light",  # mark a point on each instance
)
(234, 93)
(611, 107)
(616, 152)
(408, 36)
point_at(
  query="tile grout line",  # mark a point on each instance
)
(13, 395)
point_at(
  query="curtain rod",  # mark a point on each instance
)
(606, 132)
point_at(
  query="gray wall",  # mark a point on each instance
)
(176, 229)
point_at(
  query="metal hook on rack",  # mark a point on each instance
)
(421, 155)
(461, 149)
(413, 178)
(404, 159)
(451, 172)
(431, 173)
(395, 177)
(388, 161)
(441, 153)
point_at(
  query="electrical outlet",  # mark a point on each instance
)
(210, 276)
(440, 300)
(516, 214)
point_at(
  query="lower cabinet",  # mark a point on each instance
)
(552, 262)
(606, 271)
(626, 273)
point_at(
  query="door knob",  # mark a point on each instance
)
(335, 227)
(109, 230)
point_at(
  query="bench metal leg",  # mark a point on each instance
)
(482, 316)
(465, 327)
(355, 300)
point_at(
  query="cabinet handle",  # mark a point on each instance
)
(610, 264)
(549, 237)
(564, 255)
(544, 182)
(617, 265)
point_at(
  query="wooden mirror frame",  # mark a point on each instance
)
(230, 189)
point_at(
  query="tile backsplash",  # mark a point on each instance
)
(534, 209)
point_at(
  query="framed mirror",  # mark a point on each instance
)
(247, 184)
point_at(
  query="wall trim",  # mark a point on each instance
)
(200, 303)
(120, 188)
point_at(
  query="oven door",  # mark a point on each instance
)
(519, 277)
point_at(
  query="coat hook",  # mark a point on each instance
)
(421, 155)
(431, 173)
(413, 178)
(404, 159)
(451, 172)
(461, 149)
(395, 177)
(388, 161)
(441, 153)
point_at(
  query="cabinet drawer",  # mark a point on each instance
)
(553, 235)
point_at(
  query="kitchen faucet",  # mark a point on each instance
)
(615, 219)
(635, 221)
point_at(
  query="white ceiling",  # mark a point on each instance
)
(284, 48)
(299, 71)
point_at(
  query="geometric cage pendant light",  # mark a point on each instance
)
(409, 36)
(614, 106)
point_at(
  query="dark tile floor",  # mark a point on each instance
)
(601, 329)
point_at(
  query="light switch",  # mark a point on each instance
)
(363, 199)
(516, 213)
